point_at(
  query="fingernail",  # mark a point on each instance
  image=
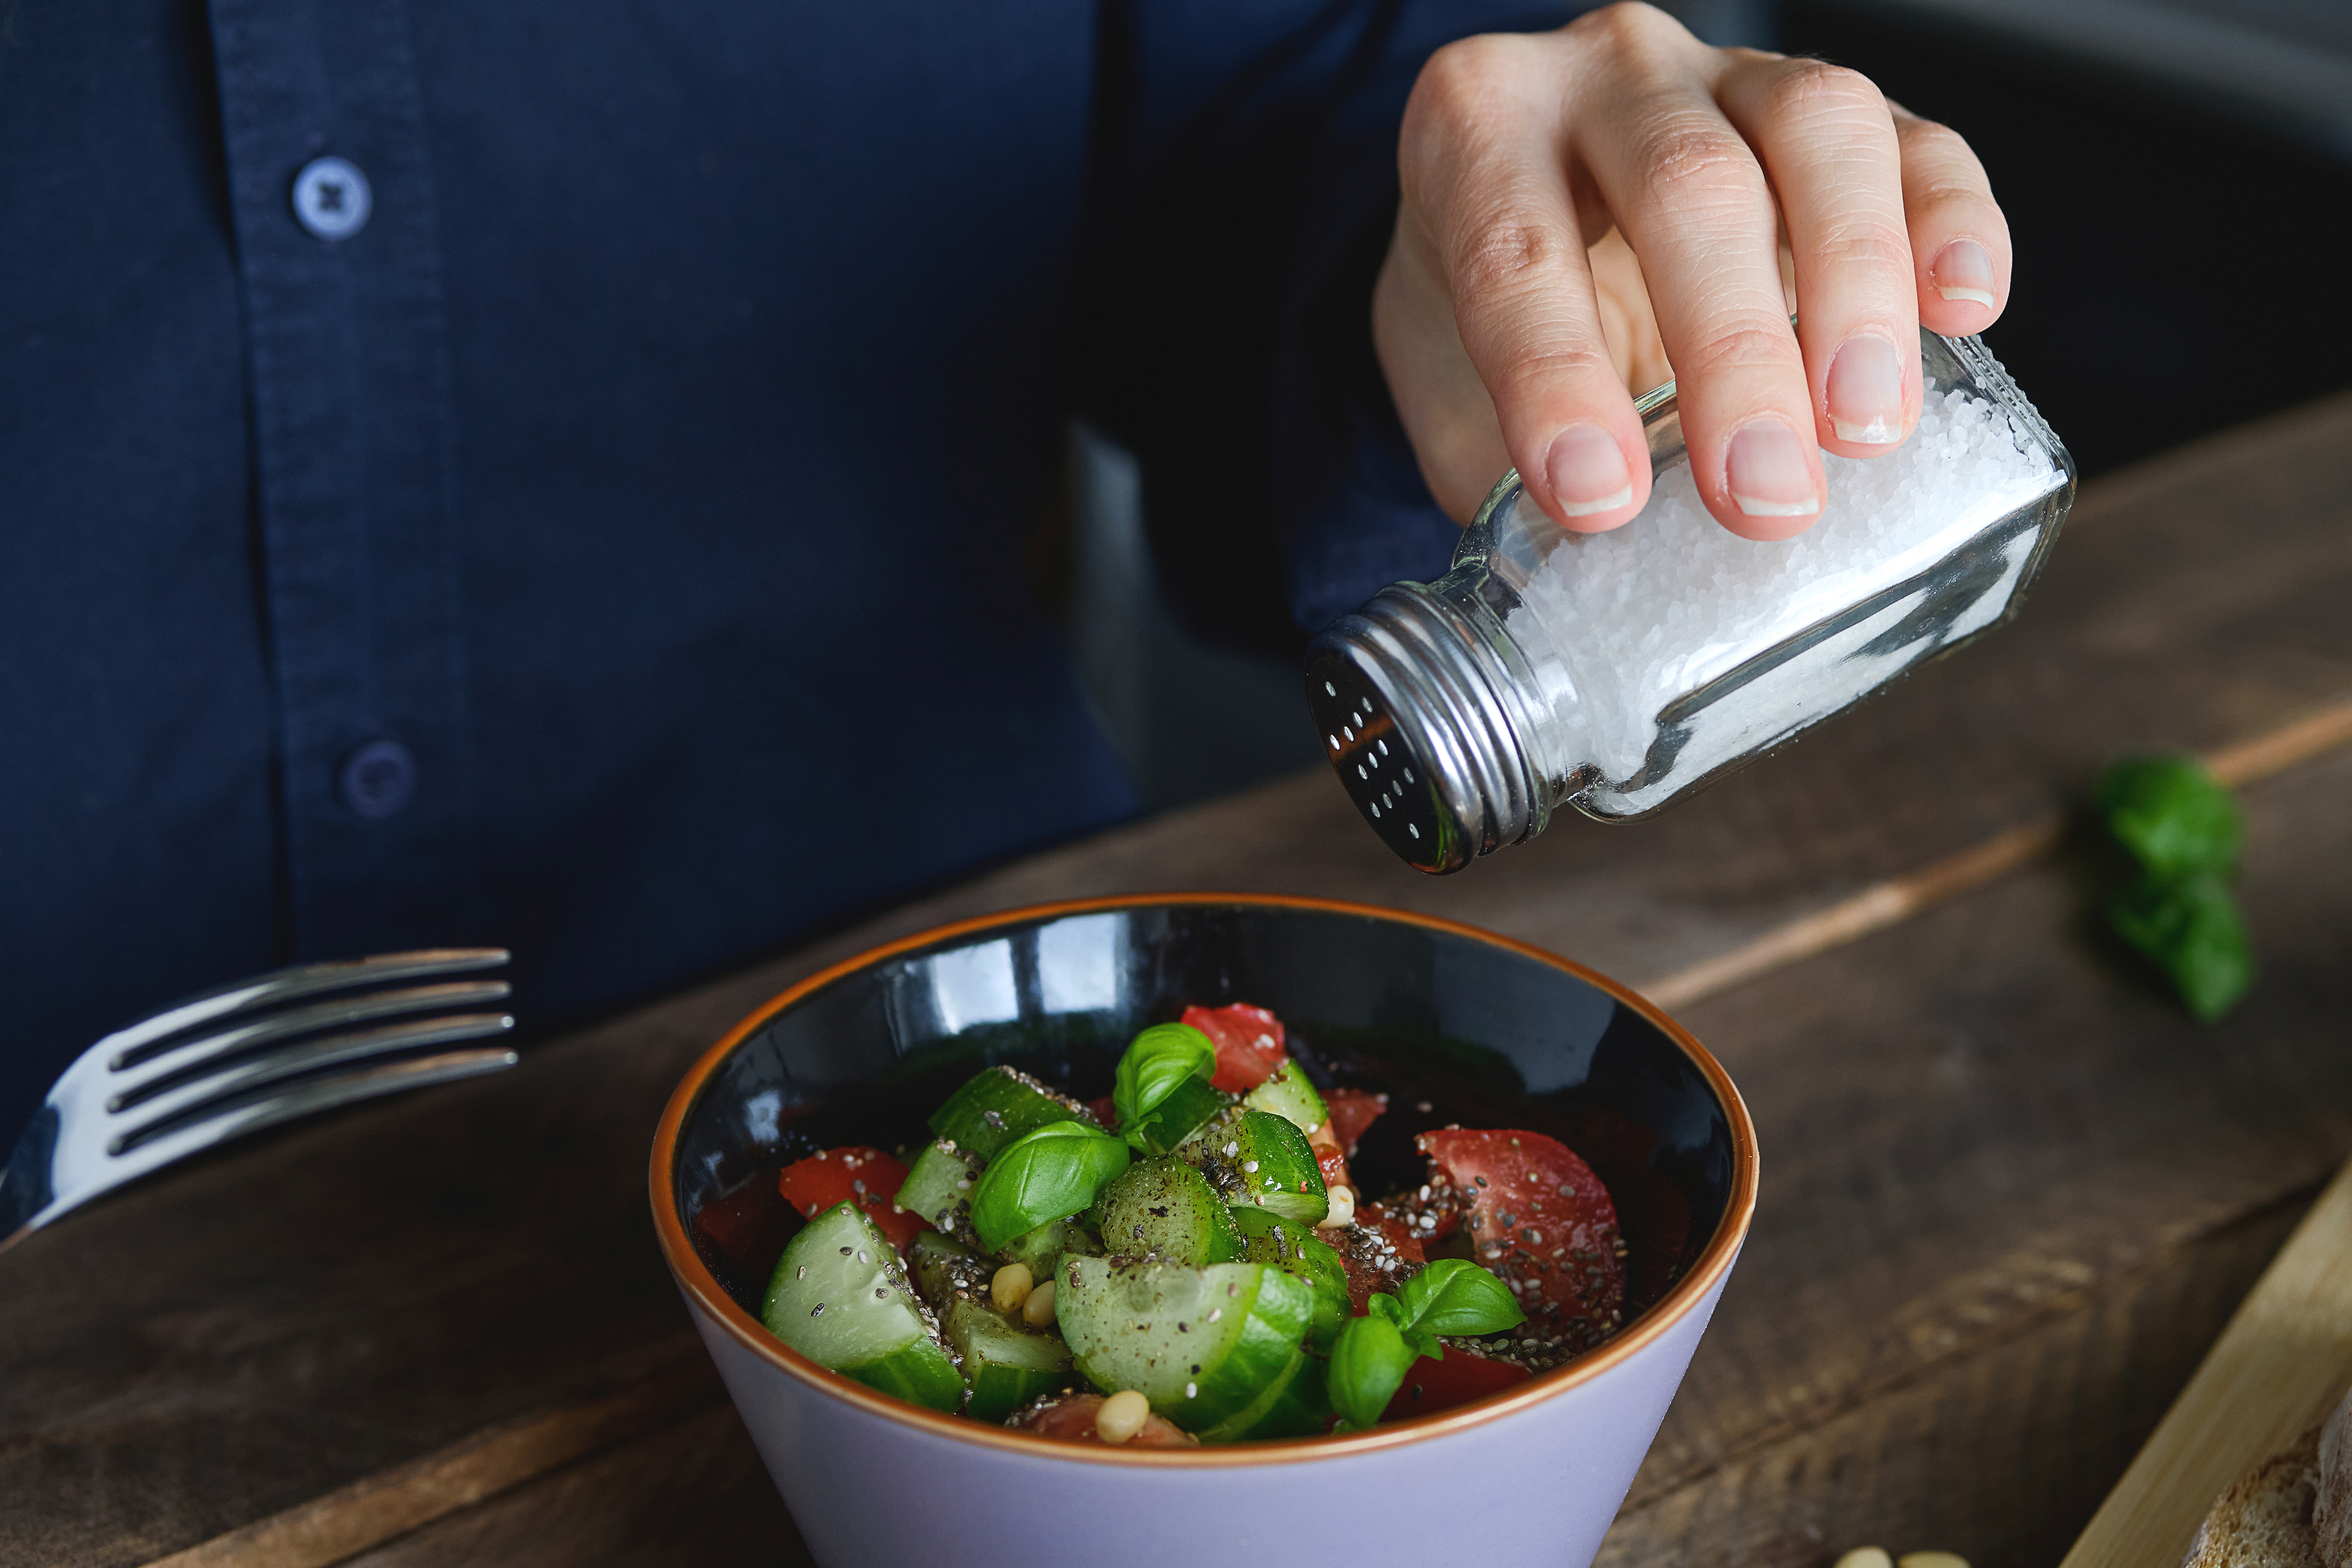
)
(1768, 473)
(1586, 470)
(1865, 392)
(1963, 271)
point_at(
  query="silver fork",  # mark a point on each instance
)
(245, 1056)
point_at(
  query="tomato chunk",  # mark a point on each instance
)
(866, 1176)
(748, 1227)
(1540, 1219)
(1072, 1420)
(1458, 1379)
(1248, 1041)
(1379, 1251)
(1352, 1111)
(1330, 1161)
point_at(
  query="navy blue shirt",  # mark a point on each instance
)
(612, 547)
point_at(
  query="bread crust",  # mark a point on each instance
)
(2264, 1520)
(2331, 1505)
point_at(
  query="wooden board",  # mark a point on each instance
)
(2278, 1370)
(1972, 1118)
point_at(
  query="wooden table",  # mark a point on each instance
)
(2010, 1192)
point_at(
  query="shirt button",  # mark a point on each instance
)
(331, 198)
(378, 778)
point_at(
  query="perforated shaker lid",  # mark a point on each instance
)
(1383, 771)
(1416, 731)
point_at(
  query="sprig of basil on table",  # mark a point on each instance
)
(2171, 816)
(2193, 929)
(1375, 1352)
(2180, 830)
(1046, 1174)
(1156, 1064)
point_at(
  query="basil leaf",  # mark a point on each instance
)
(2171, 815)
(1452, 1296)
(1417, 1339)
(1163, 1129)
(1156, 1064)
(1049, 1173)
(1368, 1366)
(2191, 927)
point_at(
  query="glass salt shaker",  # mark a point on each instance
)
(1619, 672)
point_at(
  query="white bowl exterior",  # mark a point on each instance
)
(1537, 1486)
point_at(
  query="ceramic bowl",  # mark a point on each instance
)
(1479, 1028)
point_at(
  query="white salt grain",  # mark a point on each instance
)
(1651, 611)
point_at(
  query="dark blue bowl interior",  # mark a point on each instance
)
(1455, 1028)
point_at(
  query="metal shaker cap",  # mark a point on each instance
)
(1418, 731)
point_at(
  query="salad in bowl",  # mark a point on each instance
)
(1203, 1222)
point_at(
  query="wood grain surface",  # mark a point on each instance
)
(2011, 1192)
(2278, 1372)
(1988, 1153)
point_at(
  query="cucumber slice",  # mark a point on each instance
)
(1257, 1157)
(1267, 1237)
(947, 1268)
(1201, 1345)
(939, 1188)
(1288, 1095)
(1164, 1210)
(1006, 1365)
(1043, 1248)
(1293, 1406)
(998, 1105)
(840, 1297)
(1183, 1114)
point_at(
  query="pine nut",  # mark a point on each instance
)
(1866, 1557)
(1011, 1287)
(1122, 1415)
(1343, 1210)
(1037, 1311)
(1931, 1559)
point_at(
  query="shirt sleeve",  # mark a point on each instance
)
(1242, 192)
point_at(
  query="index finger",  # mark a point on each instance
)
(1482, 170)
(1690, 194)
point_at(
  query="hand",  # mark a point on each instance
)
(1520, 155)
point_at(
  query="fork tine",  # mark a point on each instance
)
(269, 1108)
(251, 1073)
(121, 1048)
(126, 1087)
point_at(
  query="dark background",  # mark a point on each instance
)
(2180, 267)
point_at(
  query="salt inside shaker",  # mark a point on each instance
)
(1618, 672)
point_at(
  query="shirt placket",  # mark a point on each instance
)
(357, 549)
